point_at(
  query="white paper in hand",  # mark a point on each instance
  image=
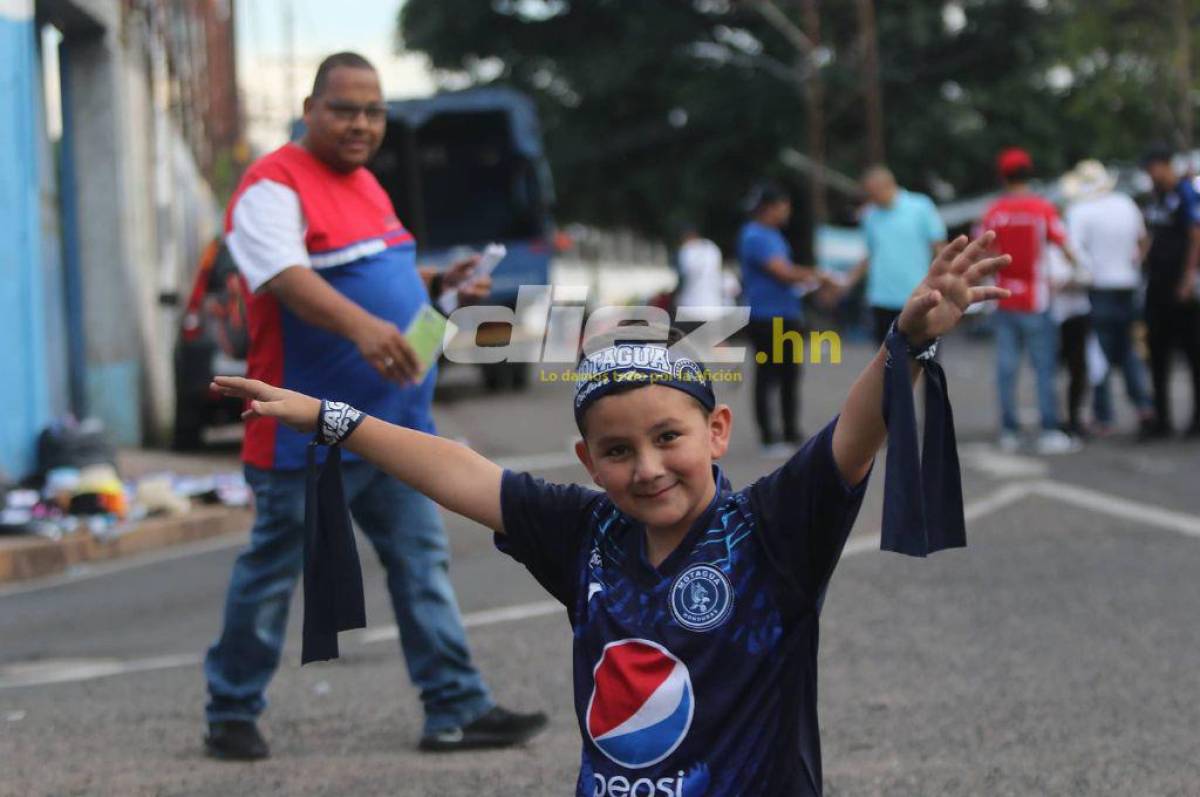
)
(489, 258)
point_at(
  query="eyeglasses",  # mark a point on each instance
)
(348, 111)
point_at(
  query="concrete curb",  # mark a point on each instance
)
(23, 558)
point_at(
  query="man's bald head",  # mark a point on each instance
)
(347, 59)
(879, 184)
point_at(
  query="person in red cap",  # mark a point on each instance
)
(1013, 163)
(1025, 225)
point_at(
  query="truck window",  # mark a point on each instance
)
(459, 180)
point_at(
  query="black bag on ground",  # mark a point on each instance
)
(71, 444)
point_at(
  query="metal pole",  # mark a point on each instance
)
(872, 94)
(809, 74)
(1183, 70)
(289, 58)
(808, 81)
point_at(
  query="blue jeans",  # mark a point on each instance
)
(1113, 314)
(1014, 332)
(406, 531)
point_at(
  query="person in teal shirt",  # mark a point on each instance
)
(903, 231)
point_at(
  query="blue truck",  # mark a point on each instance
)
(467, 168)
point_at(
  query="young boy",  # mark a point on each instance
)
(695, 608)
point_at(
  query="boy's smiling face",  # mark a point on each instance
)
(652, 449)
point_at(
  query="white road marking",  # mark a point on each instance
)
(42, 673)
(861, 544)
(60, 671)
(504, 614)
(1000, 498)
(549, 461)
(1106, 503)
(508, 614)
(1008, 494)
(985, 458)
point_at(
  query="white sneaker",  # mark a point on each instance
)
(1008, 442)
(1052, 442)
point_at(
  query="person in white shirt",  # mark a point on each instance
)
(1107, 233)
(1071, 311)
(701, 284)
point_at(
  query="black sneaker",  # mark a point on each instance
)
(235, 740)
(497, 728)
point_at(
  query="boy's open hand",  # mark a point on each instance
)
(291, 408)
(954, 282)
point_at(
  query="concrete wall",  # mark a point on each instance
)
(92, 72)
(139, 208)
(82, 264)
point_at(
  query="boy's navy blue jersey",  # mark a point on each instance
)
(698, 677)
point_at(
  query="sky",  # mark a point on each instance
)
(319, 27)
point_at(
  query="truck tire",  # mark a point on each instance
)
(493, 377)
(519, 376)
(188, 434)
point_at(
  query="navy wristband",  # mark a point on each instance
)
(924, 352)
(336, 421)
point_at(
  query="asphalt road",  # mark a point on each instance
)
(1057, 655)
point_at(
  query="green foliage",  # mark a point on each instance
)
(657, 111)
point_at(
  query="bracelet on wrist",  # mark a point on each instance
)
(336, 421)
(921, 352)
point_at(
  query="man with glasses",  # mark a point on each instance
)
(334, 280)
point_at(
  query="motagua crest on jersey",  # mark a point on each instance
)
(701, 598)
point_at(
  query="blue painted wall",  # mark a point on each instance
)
(23, 383)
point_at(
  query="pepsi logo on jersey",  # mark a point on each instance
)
(620, 786)
(642, 703)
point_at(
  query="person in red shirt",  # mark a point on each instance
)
(1025, 225)
(335, 279)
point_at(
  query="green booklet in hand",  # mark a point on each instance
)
(426, 333)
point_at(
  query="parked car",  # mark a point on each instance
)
(213, 340)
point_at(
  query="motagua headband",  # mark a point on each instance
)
(607, 370)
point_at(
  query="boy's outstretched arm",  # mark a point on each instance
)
(954, 282)
(451, 474)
